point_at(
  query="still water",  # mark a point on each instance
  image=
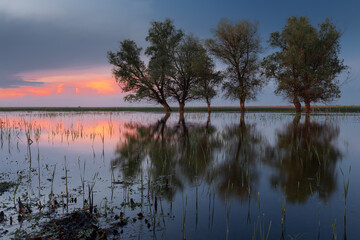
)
(263, 175)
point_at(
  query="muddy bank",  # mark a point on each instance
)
(5, 186)
(77, 225)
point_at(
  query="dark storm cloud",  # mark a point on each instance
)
(12, 81)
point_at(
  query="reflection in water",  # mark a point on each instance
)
(180, 154)
(243, 150)
(177, 154)
(209, 171)
(305, 158)
(147, 142)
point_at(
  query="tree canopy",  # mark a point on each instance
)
(193, 69)
(185, 75)
(307, 64)
(238, 46)
(147, 82)
(208, 78)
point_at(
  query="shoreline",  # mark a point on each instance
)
(332, 108)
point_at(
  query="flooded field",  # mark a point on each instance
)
(155, 176)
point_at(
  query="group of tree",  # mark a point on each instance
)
(305, 64)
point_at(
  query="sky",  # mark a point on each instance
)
(53, 53)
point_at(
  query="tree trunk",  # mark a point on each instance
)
(242, 105)
(164, 119)
(295, 126)
(208, 120)
(208, 105)
(181, 117)
(297, 105)
(166, 106)
(307, 107)
(181, 108)
(184, 134)
(162, 123)
(296, 121)
(242, 121)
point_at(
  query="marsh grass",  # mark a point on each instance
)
(260, 225)
(51, 196)
(334, 236)
(346, 183)
(82, 179)
(184, 215)
(66, 184)
(18, 182)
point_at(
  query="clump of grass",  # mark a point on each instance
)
(52, 185)
(334, 230)
(261, 225)
(66, 184)
(346, 188)
(16, 188)
(4, 186)
(283, 215)
(228, 208)
(82, 178)
(184, 215)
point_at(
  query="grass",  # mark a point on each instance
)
(329, 108)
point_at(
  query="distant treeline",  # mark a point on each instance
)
(332, 109)
(304, 64)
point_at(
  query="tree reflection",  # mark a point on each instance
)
(134, 150)
(244, 148)
(174, 154)
(305, 159)
(195, 153)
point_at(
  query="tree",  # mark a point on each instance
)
(147, 82)
(288, 78)
(307, 65)
(193, 69)
(208, 78)
(238, 46)
(185, 76)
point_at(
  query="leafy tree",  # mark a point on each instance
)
(193, 69)
(238, 46)
(185, 75)
(147, 82)
(208, 78)
(307, 65)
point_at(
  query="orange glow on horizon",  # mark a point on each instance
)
(60, 88)
(78, 131)
(82, 82)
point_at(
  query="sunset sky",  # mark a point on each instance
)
(53, 53)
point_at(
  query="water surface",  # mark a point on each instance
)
(197, 177)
